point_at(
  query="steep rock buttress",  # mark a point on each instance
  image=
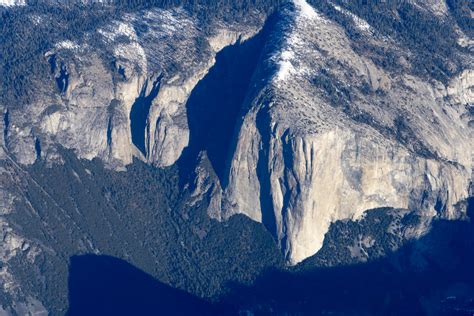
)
(332, 135)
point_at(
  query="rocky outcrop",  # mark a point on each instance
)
(14, 245)
(325, 132)
(333, 135)
(127, 96)
(117, 94)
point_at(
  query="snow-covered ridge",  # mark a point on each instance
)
(285, 60)
(11, 3)
(305, 9)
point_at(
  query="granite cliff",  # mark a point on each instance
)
(311, 114)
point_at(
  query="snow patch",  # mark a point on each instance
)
(306, 10)
(133, 52)
(11, 3)
(119, 28)
(285, 66)
(302, 17)
(360, 23)
(66, 45)
(36, 19)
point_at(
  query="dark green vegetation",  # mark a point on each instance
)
(205, 9)
(382, 231)
(27, 33)
(174, 257)
(432, 46)
(461, 10)
(428, 276)
(141, 216)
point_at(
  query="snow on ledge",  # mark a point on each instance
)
(11, 3)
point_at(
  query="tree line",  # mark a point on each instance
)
(27, 32)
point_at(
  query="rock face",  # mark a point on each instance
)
(116, 94)
(298, 120)
(332, 135)
(132, 101)
(325, 131)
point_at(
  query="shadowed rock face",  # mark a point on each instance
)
(215, 106)
(139, 115)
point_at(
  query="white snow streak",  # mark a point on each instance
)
(360, 23)
(66, 45)
(304, 14)
(11, 3)
(306, 10)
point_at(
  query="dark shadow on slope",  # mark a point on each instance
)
(6, 125)
(266, 202)
(103, 285)
(139, 114)
(141, 215)
(429, 276)
(62, 81)
(433, 275)
(215, 104)
(423, 274)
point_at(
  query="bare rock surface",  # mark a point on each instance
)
(333, 135)
(325, 132)
(123, 98)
